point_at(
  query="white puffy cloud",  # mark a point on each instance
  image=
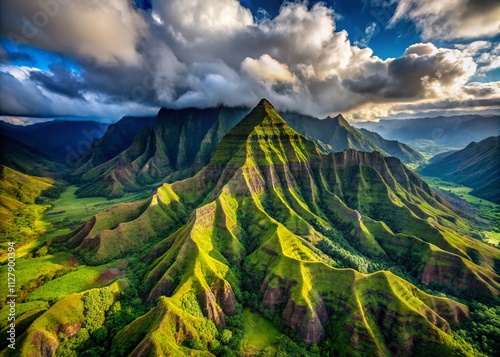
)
(267, 70)
(471, 49)
(194, 21)
(451, 19)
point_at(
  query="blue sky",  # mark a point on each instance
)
(368, 59)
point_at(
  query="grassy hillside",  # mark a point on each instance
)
(23, 199)
(323, 246)
(138, 153)
(68, 210)
(486, 213)
(118, 137)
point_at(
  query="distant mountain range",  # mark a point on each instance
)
(65, 141)
(26, 159)
(476, 166)
(177, 143)
(273, 223)
(335, 134)
(454, 131)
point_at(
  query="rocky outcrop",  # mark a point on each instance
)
(211, 310)
(45, 345)
(452, 271)
(225, 297)
(308, 323)
(274, 296)
(176, 146)
(67, 329)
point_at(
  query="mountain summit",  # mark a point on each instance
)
(272, 224)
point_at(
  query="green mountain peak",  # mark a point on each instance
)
(342, 121)
(263, 115)
(265, 136)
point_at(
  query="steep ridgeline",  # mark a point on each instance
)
(23, 198)
(336, 132)
(476, 166)
(338, 135)
(179, 144)
(118, 137)
(394, 148)
(272, 220)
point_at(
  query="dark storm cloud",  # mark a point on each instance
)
(60, 80)
(103, 31)
(410, 76)
(20, 98)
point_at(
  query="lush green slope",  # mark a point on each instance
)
(311, 239)
(477, 166)
(335, 134)
(137, 152)
(23, 198)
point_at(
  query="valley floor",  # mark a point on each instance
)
(488, 212)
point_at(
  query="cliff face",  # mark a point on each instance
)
(143, 151)
(301, 229)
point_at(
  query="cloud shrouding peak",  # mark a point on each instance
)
(212, 52)
(451, 19)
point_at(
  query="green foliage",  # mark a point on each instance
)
(66, 282)
(482, 330)
(226, 336)
(343, 253)
(95, 303)
(249, 224)
(285, 346)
